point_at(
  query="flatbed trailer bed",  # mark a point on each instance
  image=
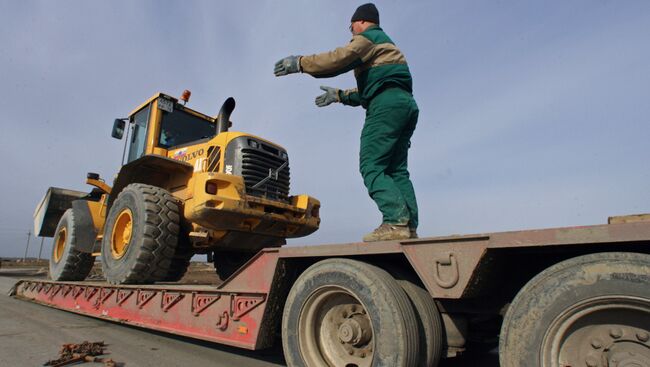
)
(476, 287)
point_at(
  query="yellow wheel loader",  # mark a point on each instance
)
(188, 185)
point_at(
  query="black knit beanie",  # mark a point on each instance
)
(367, 12)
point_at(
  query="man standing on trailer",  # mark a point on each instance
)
(384, 89)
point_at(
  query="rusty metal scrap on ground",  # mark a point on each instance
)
(79, 353)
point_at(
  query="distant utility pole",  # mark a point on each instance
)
(41, 249)
(29, 235)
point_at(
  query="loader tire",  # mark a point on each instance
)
(227, 263)
(343, 312)
(180, 262)
(591, 310)
(140, 235)
(66, 262)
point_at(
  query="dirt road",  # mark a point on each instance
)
(31, 334)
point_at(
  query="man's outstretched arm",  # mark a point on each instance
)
(328, 64)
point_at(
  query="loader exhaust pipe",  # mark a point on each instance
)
(223, 119)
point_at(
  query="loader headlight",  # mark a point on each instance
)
(211, 188)
(254, 144)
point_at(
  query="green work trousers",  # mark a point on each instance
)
(385, 140)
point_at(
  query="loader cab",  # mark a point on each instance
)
(161, 124)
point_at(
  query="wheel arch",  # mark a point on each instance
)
(154, 170)
(502, 272)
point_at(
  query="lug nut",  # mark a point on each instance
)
(616, 333)
(591, 362)
(642, 336)
(596, 343)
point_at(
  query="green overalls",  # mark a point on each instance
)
(384, 88)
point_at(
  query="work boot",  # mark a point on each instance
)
(413, 233)
(387, 232)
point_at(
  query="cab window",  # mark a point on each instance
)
(139, 134)
(180, 127)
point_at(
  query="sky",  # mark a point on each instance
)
(533, 114)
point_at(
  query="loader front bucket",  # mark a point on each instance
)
(48, 212)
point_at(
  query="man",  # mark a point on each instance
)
(384, 89)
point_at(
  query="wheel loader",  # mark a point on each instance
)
(187, 186)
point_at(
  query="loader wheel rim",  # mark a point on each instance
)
(60, 244)
(121, 234)
(615, 329)
(335, 330)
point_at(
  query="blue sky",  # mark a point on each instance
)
(533, 113)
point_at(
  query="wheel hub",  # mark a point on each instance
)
(122, 233)
(620, 353)
(605, 332)
(336, 330)
(60, 244)
(355, 330)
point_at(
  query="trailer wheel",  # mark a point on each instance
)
(140, 235)
(429, 323)
(66, 262)
(342, 312)
(592, 310)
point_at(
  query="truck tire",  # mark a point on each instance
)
(140, 235)
(429, 323)
(66, 262)
(592, 310)
(343, 312)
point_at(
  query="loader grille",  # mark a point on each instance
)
(264, 167)
(258, 166)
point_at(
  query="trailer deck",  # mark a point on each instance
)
(246, 309)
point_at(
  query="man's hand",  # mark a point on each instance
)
(330, 96)
(288, 65)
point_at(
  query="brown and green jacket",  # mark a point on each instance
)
(375, 59)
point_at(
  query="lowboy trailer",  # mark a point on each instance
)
(577, 296)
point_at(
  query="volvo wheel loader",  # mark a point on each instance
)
(188, 185)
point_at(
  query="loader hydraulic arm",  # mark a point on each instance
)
(93, 179)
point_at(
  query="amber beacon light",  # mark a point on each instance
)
(185, 97)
